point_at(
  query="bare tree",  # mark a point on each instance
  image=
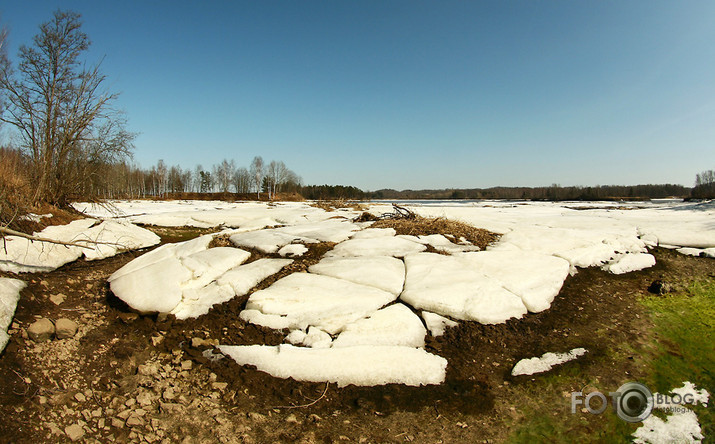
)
(60, 108)
(242, 180)
(257, 174)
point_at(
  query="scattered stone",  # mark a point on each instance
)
(256, 417)
(169, 394)
(186, 365)
(135, 421)
(150, 369)
(198, 342)
(145, 398)
(130, 402)
(156, 340)
(100, 423)
(80, 397)
(57, 299)
(292, 419)
(53, 428)
(41, 330)
(118, 423)
(75, 432)
(65, 328)
(659, 287)
(221, 386)
(128, 318)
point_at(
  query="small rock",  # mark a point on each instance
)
(100, 423)
(128, 317)
(186, 365)
(97, 413)
(118, 423)
(65, 328)
(197, 342)
(145, 398)
(156, 340)
(148, 369)
(169, 394)
(219, 385)
(75, 432)
(41, 330)
(135, 421)
(256, 417)
(80, 397)
(130, 402)
(57, 299)
(292, 419)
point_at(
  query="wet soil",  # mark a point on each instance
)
(132, 378)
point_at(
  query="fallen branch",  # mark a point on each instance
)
(305, 405)
(11, 232)
(399, 213)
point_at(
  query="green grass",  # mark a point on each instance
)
(680, 349)
(685, 328)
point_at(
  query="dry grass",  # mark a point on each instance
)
(332, 205)
(427, 225)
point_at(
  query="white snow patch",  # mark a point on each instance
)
(359, 365)
(383, 272)
(436, 324)
(545, 362)
(9, 296)
(451, 286)
(630, 262)
(680, 427)
(702, 252)
(303, 299)
(293, 250)
(687, 394)
(267, 241)
(393, 325)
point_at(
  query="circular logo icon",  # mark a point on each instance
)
(635, 402)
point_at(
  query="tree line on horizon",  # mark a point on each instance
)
(69, 142)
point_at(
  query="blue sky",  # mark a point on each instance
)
(411, 94)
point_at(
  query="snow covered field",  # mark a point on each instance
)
(376, 293)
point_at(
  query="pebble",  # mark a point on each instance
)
(75, 432)
(65, 328)
(57, 299)
(41, 330)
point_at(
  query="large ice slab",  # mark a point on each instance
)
(536, 278)
(9, 297)
(383, 272)
(267, 241)
(451, 286)
(393, 325)
(303, 299)
(359, 365)
(187, 278)
(376, 246)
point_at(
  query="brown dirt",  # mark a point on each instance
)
(152, 373)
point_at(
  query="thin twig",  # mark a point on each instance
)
(11, 232)
(305, 405)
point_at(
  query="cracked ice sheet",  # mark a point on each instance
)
(359, 365)
(271, 240)
(393, 325)
(535, 278)
(377, 246)
(9, 296)
(545, 362)
(303, 299)
(182, 277)
(451, 286)
(383, 272)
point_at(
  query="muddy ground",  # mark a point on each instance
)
(130, 378)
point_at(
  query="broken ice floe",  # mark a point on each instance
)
(545, 363)
(393, 325)
(187, 278)
(9, 296)
(630, 262)
(357, 365)
(383, 272)
(303, 299)
(437, 324)
(105, 239)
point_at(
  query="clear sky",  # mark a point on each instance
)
(411, 94)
